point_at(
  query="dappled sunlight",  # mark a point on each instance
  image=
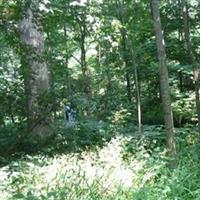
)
(106, 166)
(125, 164)
(100, 100)
(121, 116)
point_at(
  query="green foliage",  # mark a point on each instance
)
(125, 167)
(105, 62)
(101, 156)
(84, 135)
(184, 108)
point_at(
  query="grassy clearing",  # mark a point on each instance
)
(124, 167)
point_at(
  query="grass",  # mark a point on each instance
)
(121, 167)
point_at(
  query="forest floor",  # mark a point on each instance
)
(123, 167)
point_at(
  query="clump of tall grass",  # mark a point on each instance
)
(125, 167)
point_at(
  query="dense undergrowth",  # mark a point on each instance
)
(96, 160)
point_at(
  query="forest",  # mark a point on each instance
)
(100, 99)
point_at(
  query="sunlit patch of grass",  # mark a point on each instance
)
(124, 168)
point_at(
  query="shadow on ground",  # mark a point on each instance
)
(88, 134)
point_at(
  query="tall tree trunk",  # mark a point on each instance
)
(35, 68)
(128, 51)
(109, 92)
(67, 88)
(86, 81)
(125, 58)
(85, 71)
(51, 77)
(121, 7)
(196, 70)
(137, 87)
(128, 84)
(164, 82)
(138, 98)
(180, 76)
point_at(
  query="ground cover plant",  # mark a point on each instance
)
(125, 166)
(99, 99)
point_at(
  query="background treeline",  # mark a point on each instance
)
(130, 70)
(101, 57)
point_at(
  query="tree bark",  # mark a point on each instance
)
(67, 88)
(121, 6)
(164, 82)
(128, 51)
(196, 70)
(35, 68)
(137, 87)
(86, 80)
(51, 77)
(125, 58)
